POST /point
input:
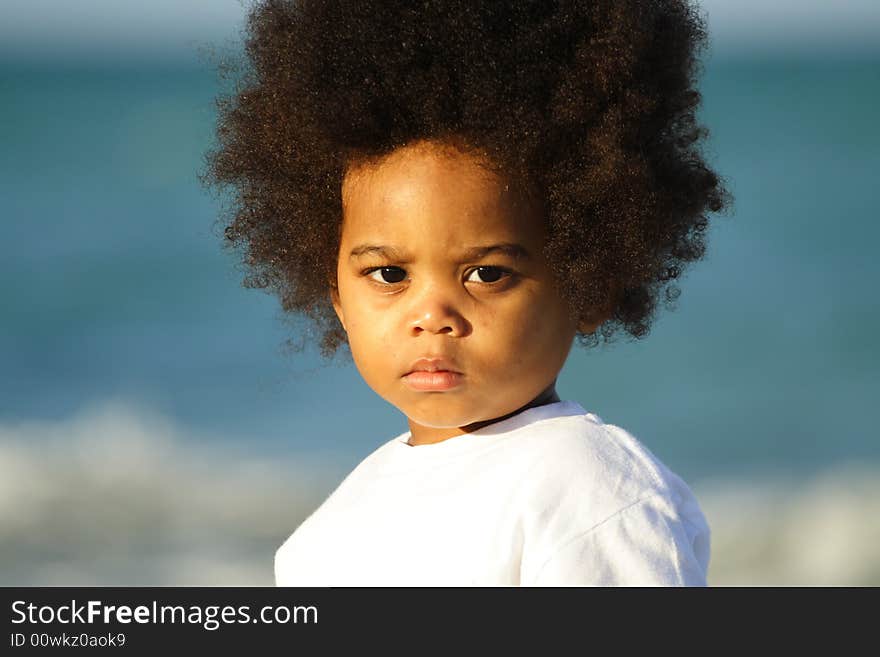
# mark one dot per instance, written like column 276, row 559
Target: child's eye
column 395, row 273
column 493, row 274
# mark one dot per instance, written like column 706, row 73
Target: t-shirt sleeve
column 645, row 544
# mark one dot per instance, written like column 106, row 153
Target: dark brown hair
column 592, row 104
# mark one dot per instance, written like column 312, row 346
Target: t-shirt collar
column 513, row 423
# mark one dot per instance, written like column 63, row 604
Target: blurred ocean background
column 154, row 429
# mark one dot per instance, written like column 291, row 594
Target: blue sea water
column 115, row 286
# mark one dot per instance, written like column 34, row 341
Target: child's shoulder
column 584, row 472
column 582, row 456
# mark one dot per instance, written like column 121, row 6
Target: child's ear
column 337, row 306
column 590, row 325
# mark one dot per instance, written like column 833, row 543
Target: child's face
column 508, row 335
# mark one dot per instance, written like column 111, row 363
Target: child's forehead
column 432, row 229
column 411, row 204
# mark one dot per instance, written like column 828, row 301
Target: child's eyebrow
column 510, row 249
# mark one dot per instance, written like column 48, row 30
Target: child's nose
column 436, row 311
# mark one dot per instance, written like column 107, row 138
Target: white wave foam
column 824, row 531
column 118, row 495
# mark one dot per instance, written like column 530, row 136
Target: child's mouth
column 433, row 381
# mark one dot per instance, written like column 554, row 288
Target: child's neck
column 420, row 435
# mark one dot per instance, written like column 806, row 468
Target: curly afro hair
column 590, row 105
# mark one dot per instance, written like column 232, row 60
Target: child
column 456, row 191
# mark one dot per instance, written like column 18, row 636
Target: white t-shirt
column 551, row 496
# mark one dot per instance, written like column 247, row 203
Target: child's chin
column 440, row 413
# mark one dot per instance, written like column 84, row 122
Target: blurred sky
column 165, row 28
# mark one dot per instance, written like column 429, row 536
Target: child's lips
column 433, row 381
column 433, row 364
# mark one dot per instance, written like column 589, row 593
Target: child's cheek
column 371, row 326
